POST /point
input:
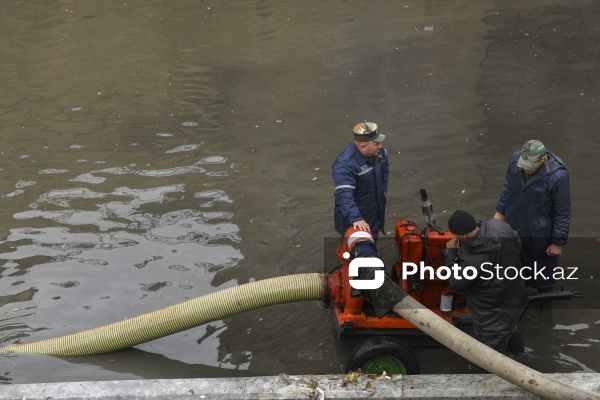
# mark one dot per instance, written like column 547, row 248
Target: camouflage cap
column 367, row 132
column 531, row 154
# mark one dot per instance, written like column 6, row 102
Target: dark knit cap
column 461, row 223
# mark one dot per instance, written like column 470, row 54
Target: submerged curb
column 339, row 386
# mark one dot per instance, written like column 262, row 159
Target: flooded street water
column 152, row 152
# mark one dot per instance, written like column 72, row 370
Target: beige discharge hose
column 286, row 289
column 486, row 357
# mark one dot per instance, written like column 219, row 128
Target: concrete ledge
column 340, row 386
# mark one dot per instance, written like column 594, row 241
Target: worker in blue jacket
column 360, row 176
column 536, row 202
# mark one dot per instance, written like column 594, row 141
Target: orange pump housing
column 355, row 318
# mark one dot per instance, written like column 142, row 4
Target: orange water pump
column 354, row 315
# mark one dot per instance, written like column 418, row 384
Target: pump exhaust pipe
column 285, row 289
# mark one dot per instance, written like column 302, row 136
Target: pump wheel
column 384, row 354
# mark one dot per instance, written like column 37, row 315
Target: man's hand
column 452, row 243
column 554, row 250
column 361, row 225
column 499, row 216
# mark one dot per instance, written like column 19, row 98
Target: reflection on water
column 111, row 195
column 118, row 255
column 119, row 239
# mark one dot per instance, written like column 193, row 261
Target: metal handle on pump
column 427, row 208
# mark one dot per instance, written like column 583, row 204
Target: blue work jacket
column 360, row 186
column 540, row 208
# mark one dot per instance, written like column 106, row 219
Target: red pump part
column 355, row 318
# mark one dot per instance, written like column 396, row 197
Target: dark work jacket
column 360, row 186
column 495, row 304
column 538, row 209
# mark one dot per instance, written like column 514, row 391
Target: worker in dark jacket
column 360, row 176
column 496, row 295
column 536, row 202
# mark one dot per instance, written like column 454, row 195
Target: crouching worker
column 495, row 296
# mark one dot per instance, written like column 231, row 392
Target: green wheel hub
column 388, row 364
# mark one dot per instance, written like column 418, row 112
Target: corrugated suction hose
column 179, row 317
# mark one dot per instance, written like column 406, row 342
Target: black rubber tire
column 377, row 351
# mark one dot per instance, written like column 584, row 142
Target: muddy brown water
column 152, row 152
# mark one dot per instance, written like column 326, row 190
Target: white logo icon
column 366, row 262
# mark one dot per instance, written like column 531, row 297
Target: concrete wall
column 347, row 386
